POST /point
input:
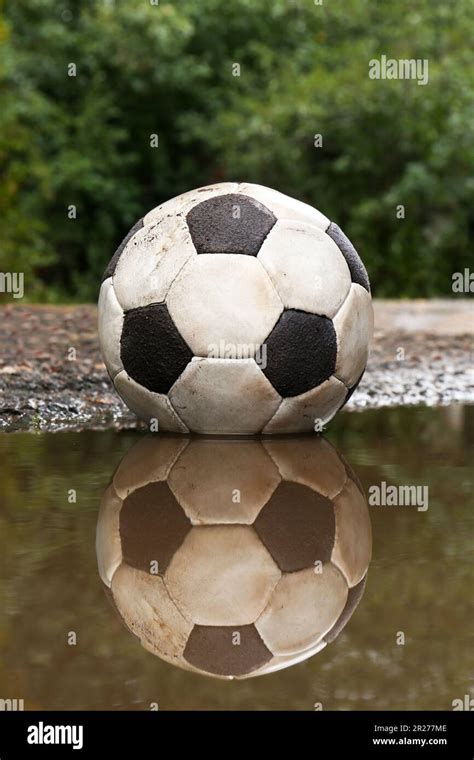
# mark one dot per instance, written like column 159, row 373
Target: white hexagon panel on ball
column 234, row 309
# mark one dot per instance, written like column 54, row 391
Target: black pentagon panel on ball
column 215, row 650
column 298, row 527
column 357, row 269
column 353, row 598
column 151, row 348
column 301, row 352
column 230, row 223
column 152, row 528
column 114, row 260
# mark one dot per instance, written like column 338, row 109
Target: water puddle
column 335, row 574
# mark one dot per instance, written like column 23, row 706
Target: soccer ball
column 234, row 558
column 234, row 309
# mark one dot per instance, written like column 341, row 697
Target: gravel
column 52, row 376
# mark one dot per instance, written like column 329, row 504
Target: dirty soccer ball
column 234, row 558
column 234, row 309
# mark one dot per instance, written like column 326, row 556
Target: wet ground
column 52, row 376
column 62, row 645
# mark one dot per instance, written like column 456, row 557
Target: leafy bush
column 167, row 69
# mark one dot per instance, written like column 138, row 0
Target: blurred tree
column 83, row 144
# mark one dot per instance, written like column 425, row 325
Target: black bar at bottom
column 378, row 734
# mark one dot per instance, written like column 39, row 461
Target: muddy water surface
column 419, row 582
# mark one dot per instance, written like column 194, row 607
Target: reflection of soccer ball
column 234, row 558
column 235, row 309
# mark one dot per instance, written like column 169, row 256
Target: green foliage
column 166, row 69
